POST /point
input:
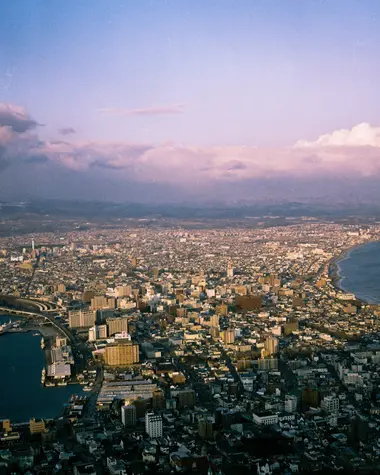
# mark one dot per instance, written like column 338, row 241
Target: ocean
column 360, row 272
column 21, row 394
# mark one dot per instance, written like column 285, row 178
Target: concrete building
column 330, row 404
column 128, row 415
column 82, row 318
column 97, row 332
column 271, row 345
column 205, row 429
column 290, row 403
column 37, row 426
column 121, row 353
column 117, row 325
column 265, row 418
column 228, row 336
column 153, row 425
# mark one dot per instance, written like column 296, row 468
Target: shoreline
column 334, row 270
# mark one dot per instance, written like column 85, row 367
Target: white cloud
column 360, row 135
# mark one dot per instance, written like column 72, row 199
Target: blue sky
column 200, row 73
column 242, row 69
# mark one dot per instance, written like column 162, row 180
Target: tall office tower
column 33, row 245
column 121, row 353
column 158, row 399
column 214, row 321
column 186, row 398
column 81, row 318
column 290, row 403
column 128, row 415
column 271, row 345
column 153, row 425
column 205, row 429
column 117, row 325
column 230, row 270
column 229, row 336
column 156, row 272
column 134, row 261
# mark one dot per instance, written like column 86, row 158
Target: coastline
column 334, row 269
column 44, row 330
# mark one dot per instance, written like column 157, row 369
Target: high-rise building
column 128, row 415
column 82, row 318
column 230, row 270
column 330, row 404
column 290, row 403
column 123, row 291
column 121, row 353
column 153, row 425
column 214, row 321
column 158, row 399
column 100, row 302
column 205, row 429
column 117, row 325
column 186, row 398
column 271, row 345
column 97, row 332
column 228, row 336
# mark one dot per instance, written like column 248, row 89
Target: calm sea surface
column 21, row 394
column 360, row 272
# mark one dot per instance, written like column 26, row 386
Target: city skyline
column 160, row 101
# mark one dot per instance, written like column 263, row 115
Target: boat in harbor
column 62, row 383
column 42, row 343
column 43, row 376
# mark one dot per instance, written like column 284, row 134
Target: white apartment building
column 153, row 425
column 265, row 419
column 290, row 403
column 330, row 404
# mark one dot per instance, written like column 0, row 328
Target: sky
column 169, row 100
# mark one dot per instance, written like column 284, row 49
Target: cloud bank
column 342, row 154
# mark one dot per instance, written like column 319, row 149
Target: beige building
column 99, row 302
column 117, row 325
column 81, row 318
column 121, row 354
column 37, row 426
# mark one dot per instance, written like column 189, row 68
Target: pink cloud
column 153, row 110
column 354, row 152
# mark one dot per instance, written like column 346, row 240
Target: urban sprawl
column 215, row 351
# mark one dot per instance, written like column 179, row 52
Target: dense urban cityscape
column 197, row 350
